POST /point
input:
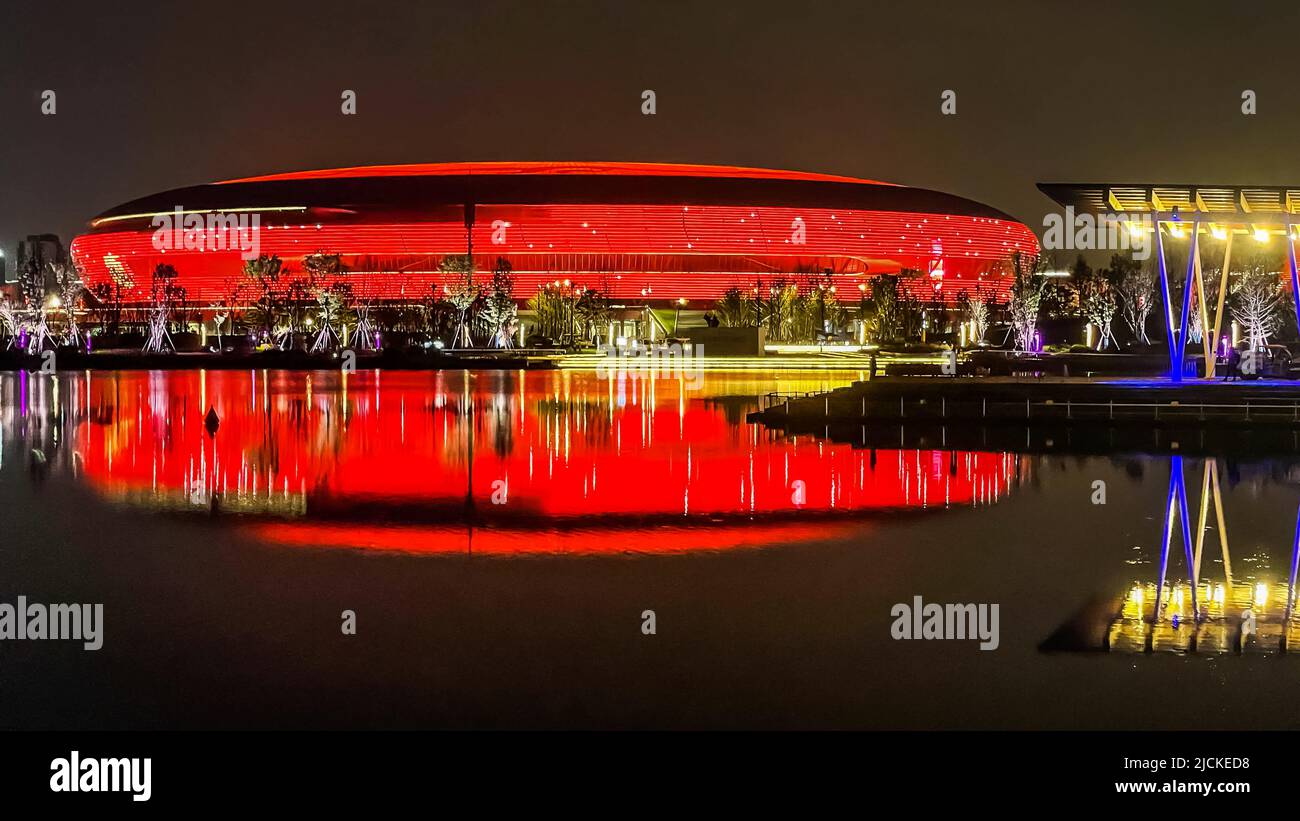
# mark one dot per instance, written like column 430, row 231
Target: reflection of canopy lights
column 1200, row 615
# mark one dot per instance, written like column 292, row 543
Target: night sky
column 151, row 97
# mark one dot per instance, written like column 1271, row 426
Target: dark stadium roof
column 388, row 190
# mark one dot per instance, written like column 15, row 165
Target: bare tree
column 1025, row 295
column 264, row 276
column 882, row 303
column 1257, row 297
column 975, row 310
column 32, row 286
column 1135, row 289
column 164, row 295
column 9, row 321
column 1098, row 303
column 735, row 309
column 67, row 279
column 31, row 283
column 224, row 308
column 499, row 309
column 462, row 293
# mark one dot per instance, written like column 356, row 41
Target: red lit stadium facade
column 645, row 233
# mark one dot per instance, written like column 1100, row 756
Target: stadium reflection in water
column 495, row 462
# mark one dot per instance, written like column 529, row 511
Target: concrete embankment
column 1032, row 402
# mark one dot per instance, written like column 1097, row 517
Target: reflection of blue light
column 1187, row 530
column 1165, row 539
column 1170, row 383
column 1177, row 492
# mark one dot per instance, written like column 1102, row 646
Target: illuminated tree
column 1135, row 285
column 883, row 308
column 975, row 310
column 499, row 312
column 591, row 312
column 324, row 269
column 736, row 309
column 783, row 310
column 1256, row 300
column 1098, row 303
column 165, row 294
column 31, row 282
column 331, row 306
column 9, row 320
column 1025, row 295
column 462, row 293
column 820, row 306
column 264, row 276
column 67, row 279
column 224, row 308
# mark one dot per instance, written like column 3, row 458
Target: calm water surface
column 500, row 534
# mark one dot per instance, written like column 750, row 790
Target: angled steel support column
column 1218, row 310
column 1193, row 251
column 1207, row 338
column 1163, row 268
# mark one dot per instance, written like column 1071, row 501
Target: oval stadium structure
column 643, row 232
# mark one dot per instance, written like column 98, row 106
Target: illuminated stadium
column 643, row 233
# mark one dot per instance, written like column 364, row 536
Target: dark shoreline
column 76, row 360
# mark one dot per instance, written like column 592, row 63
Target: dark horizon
column 149, row 102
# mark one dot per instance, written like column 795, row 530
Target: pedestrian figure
column 1233, row 363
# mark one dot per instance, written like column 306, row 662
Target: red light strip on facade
column 695, row 252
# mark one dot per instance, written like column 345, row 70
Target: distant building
column 38, row 251
column 43, row 248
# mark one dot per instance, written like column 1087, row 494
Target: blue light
column 1163, row 268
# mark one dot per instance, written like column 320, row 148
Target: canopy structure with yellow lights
column 1186, row 212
